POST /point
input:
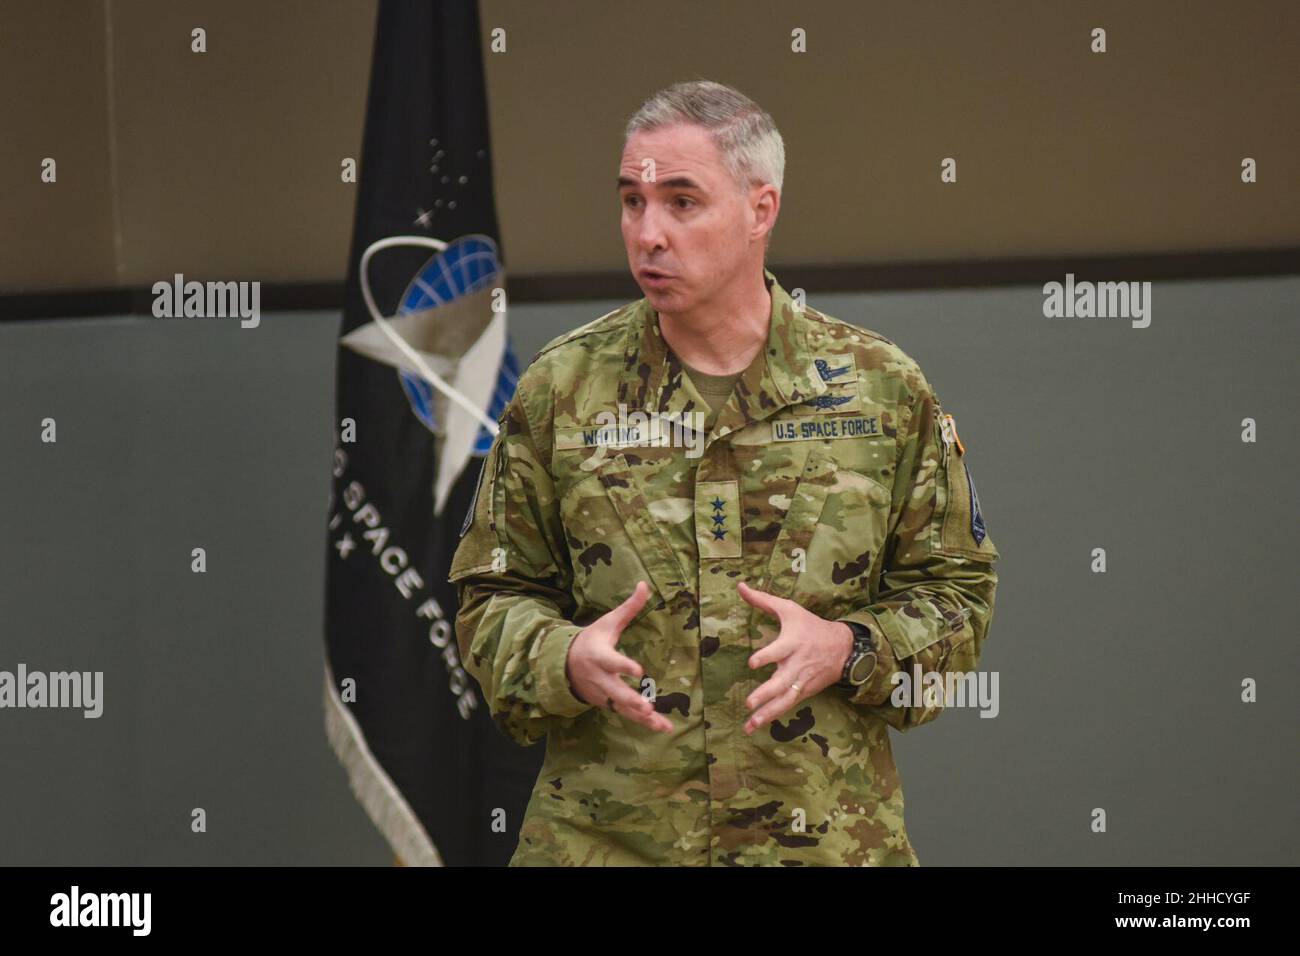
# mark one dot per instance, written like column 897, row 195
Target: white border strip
column 374, row 789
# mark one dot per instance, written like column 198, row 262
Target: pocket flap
column 800, row 521
column 652, row 546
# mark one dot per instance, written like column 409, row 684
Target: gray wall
column 1117, row 690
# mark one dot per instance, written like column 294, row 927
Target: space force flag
column 425, row 369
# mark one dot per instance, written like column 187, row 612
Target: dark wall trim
column 585, row 286
column 87, row 303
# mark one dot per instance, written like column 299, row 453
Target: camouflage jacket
column 829, row 478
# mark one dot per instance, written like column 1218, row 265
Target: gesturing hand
column 810, row 653
column 593, row 666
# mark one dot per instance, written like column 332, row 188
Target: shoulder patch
column 473, row 501
column 976, row 516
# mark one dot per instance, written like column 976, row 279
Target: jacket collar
column 781, row 375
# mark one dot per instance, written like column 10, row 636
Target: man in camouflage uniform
column 796, row 503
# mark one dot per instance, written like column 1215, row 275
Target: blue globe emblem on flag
column 466, row 266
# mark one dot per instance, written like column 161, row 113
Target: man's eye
column 687, row 200
column 629, row 200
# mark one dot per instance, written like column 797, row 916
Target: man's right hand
column 593, row 666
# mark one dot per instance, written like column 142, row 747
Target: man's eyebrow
column 674, row 182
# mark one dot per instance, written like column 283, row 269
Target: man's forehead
column 665, row 178
column 677, row 153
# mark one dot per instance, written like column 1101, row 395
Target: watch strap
column 863, row 643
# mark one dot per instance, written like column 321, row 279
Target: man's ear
column 767, row 205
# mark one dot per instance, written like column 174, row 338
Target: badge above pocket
column 843, row 391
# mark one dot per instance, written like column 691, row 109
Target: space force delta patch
column 977, row 529
column 473, row 501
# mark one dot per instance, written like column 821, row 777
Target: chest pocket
column 828, row 552
column 614, row 541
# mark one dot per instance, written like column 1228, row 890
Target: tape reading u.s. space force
column 809, row 429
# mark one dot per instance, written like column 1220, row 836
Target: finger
column 621, row 699
column 774, row 686
column 625, row 702
column 778, row 650
column 769, row 603
column 773, row 709
column 621, row 616
column 616, row 663
column 651, row 719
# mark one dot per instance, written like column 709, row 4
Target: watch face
column 863, row 668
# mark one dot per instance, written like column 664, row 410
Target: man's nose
column 650, row 232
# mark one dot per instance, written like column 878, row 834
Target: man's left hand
column 810, row 653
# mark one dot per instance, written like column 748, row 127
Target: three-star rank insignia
column 717, row 519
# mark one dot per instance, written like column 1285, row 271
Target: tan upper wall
column 227, row 163
column 53, row 104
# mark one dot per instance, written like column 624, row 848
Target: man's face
column 689, row 231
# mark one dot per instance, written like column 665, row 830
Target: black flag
column 408, row 723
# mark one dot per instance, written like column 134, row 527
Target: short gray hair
column 744, row 133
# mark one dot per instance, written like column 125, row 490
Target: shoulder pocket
column 961, row 529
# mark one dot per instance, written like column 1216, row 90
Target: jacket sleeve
column 935, row 599
column 512, row 576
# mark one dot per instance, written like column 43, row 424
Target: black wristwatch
column 862, row 659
